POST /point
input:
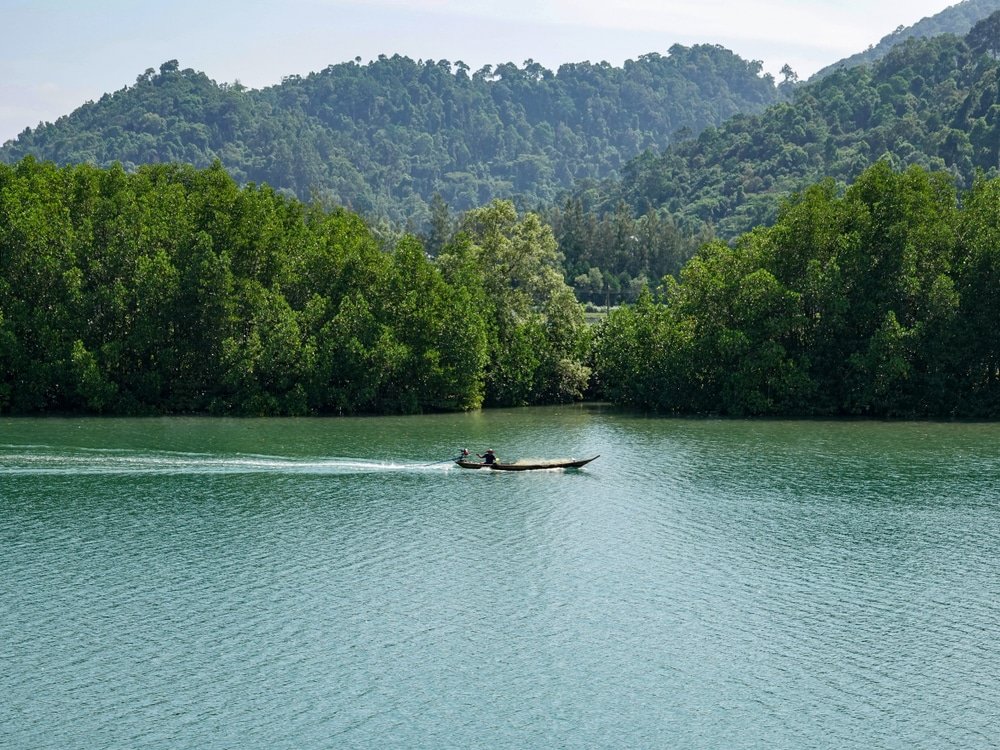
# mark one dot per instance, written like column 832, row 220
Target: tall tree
column 536, row 328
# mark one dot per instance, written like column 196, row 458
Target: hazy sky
column 55, row 55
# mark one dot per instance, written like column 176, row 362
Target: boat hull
column 527, row 467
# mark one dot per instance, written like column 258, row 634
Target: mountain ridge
column 955, row 19
column 382, row 138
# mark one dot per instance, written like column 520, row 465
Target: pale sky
column 57, row 54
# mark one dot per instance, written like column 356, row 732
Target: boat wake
column 45, row 460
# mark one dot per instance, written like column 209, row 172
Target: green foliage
column 174, row 290
column 167, row 288
column 415, row 143
column 984, row 37
column 641, row 357
column 877, row 301
column 930, row 103
column 977, row 283
column 537, row 336
column 611, row 258
column 383, row 138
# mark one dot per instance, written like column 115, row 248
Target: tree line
column 927, row 102
column 175, row 290
column 931, row 102
column 634, row 167
column 879, row 300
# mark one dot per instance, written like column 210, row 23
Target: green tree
column 868, row 302
column 536, row 329
column 984, row 37
column 977, row 358
column 40, row 288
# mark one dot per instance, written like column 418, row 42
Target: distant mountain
column 384, row 137
column 956, row 19
column 932, row 102
column 929, row 102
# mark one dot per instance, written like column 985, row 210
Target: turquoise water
column 201, row 583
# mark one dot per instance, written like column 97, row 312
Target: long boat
column 556, row 464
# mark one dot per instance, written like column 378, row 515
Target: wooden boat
column 557, row 464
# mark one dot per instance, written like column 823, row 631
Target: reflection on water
column 337, row 583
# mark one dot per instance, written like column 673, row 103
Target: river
column 324, row 583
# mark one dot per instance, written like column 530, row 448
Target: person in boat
column 489, row 457
column 464, row 456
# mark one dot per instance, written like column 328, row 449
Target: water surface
column 210, row 583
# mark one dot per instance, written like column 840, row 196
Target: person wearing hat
column 489, row 457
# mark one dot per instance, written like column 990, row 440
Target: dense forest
column 382, row 138
column 174, row 290
column 931, row 102
column 881, row 300
column 633, row 167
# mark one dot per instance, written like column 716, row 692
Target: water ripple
column 744, row 585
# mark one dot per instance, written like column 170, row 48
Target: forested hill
column 934, row 103
column 382, row 138
column 956, row 19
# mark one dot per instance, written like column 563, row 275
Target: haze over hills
column 957, row 19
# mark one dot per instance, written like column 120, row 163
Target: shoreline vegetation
column 172, row 290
